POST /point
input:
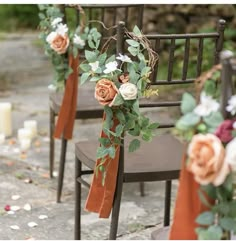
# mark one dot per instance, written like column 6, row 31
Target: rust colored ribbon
column 187, row 207
column 66, row 117
column 100, row 197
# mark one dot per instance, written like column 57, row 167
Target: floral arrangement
column 120, row 82
column 211, row 155
column 60, row 41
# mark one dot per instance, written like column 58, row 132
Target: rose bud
column 124, row 78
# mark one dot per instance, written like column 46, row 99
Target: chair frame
column 83, row 114
column 166, row 176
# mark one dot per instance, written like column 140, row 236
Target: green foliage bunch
column 52, row 25
column 129, row 78
column 219, row 221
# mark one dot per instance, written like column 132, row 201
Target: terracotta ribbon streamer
column 66, row 117
column 100, row 197
column 187, row 207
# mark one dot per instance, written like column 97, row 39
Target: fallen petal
column 15, row 208
column 7, row 208
column 10, row 212
column 43, row 217
column 14, row 227
column 27, row 207
column 15, row 197
column 32, row 224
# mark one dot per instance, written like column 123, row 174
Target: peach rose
column 105, row 92
column 58, row 42
column 206, row 160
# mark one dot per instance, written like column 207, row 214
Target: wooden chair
column 88, row 108
column 141, row 166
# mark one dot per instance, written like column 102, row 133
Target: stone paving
column 27, row 91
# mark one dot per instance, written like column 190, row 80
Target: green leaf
column 228, row 223
column 91, row 44
column 109, row 112
column 84, row 77
column 147, row 135
column 135, row 131
column 104, row 141
column 118, row 100
column 102, row 58
column 111, row 151
column 203, row 198
column 119, row 130
column 85, row 67
column 214, row 119
column 134, row 145
column 210, row 87
column 205, row 218
column 120, row 116
column 209, row 190
column 214, row 232
column 41, row 16
column 132, row 43
column 133, row 51
column 137, row 31
column 153, row 126
column 95, row 78
column 90, row 56
column 130, row 124
column 188, row 103
column 111, row 59
column 145, row 71
column 102, row 152
column 187, row 121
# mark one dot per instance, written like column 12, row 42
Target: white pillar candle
column 25, row 144
column 5, row 119
column 24, row 134
column 2, row 138
column 31, row 125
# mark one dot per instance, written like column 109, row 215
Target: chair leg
column 61, row 169
column 52, row 142
column 77, row 200
column 167, row 203
column 141, row 187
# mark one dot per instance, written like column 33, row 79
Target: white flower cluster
column 207, row 105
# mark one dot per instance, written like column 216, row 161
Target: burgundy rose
column 224, row 131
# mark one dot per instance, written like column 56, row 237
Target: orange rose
column 206, row 160
column 105, row 92
column 58, row 42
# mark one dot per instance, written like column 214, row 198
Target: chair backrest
column 190, row 42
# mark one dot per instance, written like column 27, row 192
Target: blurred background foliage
column 157, row 18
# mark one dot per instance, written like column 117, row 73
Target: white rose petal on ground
column 42, row 217
column 15, row 197
column 10, row 212
column 32, row 224
column 15, row 208
column 27, row 207
column 14, row 227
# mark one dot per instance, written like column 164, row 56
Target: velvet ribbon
column 66, row 117
column 187, row 207
column 101, row 195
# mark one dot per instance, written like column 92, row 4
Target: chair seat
column 87, row 105
column 154, row 161
column 161, row 234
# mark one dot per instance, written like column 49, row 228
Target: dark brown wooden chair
column 159, row 160
column 88, row 108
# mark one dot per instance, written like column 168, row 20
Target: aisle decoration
column 121, row 80
column 205, row 205
column 63, row 46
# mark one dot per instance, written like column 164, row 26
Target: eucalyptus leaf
column 134, row 145
column 228, row 223
column 137, row 31
column 205, row 218
column 188, row 103
column 118, row 100
column 91, row 56
column 214, row 119
column 132, row 43
column 84, row 78
column 187, row 121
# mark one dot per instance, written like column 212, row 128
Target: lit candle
column 24, row 134
column 25, row 144
column 5, row 119
column 2, row 138
column 31, row 125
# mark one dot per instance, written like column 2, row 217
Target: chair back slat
column 186, row 59
column 171, row 59
column 199, row 56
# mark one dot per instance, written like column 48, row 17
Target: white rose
column 230, row 156
column 128, row 91
column 110, row 67
column 62, row 29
